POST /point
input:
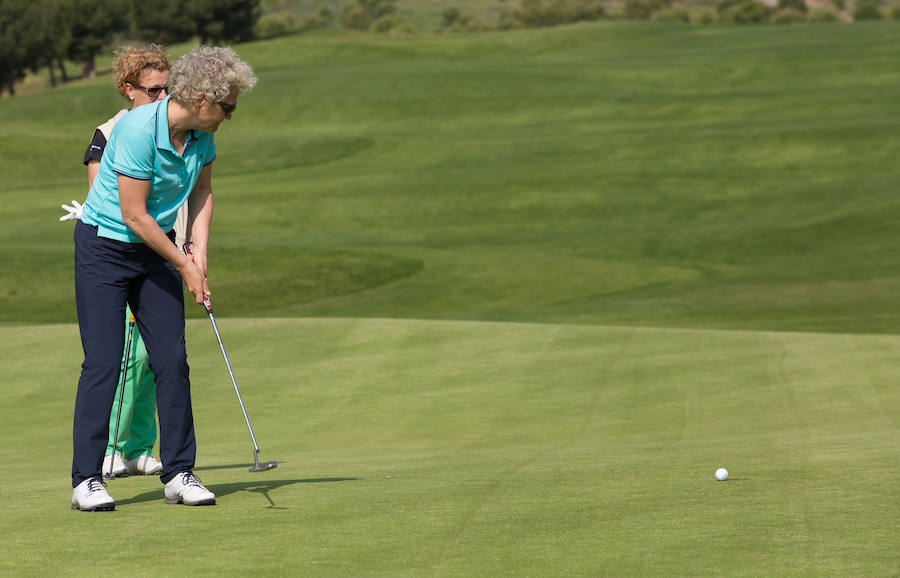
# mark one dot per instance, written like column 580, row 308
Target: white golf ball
column 721, row 474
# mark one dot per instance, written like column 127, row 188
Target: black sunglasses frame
column 228, row 107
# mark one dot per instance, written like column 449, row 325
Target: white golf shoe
column 144, row 466
column 119, row 468
column 91, row 496
column 185, row 488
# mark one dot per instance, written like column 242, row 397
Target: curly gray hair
column 210, row 71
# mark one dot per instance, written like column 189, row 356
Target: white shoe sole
column 209, row 502
column 108, row 507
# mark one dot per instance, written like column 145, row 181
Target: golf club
column 257, row 467
column 112, row 474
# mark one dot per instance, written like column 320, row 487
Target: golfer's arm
column 133, row 194
column 200, row 210
column 93, row 169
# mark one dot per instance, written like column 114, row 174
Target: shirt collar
column 162, row 125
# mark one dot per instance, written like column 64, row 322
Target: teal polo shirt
column 139, row 147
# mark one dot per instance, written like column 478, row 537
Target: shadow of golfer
column 261, row 487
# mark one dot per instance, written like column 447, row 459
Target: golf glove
column 74, row 211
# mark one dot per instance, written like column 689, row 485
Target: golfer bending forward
column 158, row 157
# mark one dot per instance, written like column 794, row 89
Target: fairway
column 500, row 305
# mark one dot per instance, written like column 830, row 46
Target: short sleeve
column 95, row 149
column 134, row 153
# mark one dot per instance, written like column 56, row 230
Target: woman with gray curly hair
column 158, row 157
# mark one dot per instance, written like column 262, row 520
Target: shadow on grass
column 228, row 467
column 261, row 487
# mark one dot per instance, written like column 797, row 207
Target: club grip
column 206, row 302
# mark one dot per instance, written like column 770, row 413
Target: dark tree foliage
column 91, row 24
column 212, row 21
column 18, row 46
column 220, row 21
column 161, row 21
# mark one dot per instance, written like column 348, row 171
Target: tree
column 218, row 21
column 52, row 38
column 17, row 45
column 92, row 24
column 161, row 21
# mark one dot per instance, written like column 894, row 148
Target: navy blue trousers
column 109, row 273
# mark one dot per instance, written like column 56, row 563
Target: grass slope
column 411, row 448
column 600, row 180
column 618, row 173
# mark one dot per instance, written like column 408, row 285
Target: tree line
column 47, row 33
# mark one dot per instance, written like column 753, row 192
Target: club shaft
column 237, row 391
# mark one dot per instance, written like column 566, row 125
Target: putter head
column 261, row 467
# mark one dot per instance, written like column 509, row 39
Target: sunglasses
column 152, row 91
column 228, row 107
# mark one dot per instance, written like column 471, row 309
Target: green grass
column 614, row 173
column 501, row 304
column 455, row 449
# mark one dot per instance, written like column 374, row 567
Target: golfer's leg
column 124, row 431
column 128, row 399
column 100, row 294
column 143, row 418
column 160, row 313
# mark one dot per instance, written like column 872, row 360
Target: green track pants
column 137, row 424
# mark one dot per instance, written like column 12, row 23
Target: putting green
column 459, row 448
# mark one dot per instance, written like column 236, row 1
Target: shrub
column 326, row 17
column 355, row 17
column 788, row 16
column 275, row 24
column 644, row 9
column 453, row 20
column 746, row 12
column 821, row 15
column 798, row 5
column 867, row 10
column 323, row 19
column 588, row 10
column 895, row 13
column 542, row 13
column 449, row 17
column 706, row 17
column 469, row 24
column 672, row 14
column 393, row 24
column 363, row 13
